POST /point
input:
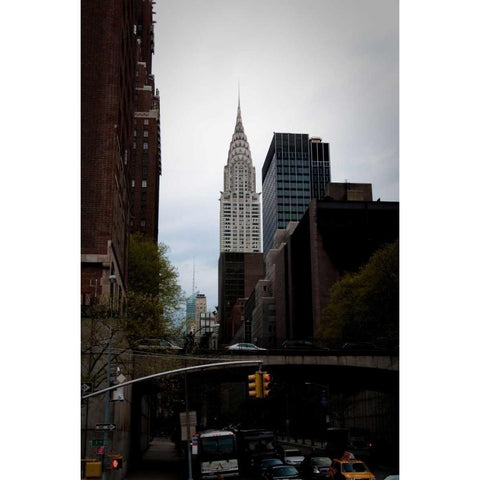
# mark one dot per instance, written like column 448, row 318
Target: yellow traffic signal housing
column 266, row 378
column 255, row 385
column 93, row 469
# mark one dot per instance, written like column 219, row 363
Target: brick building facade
column 117, row 35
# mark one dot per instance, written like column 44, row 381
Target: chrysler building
column 240, row 222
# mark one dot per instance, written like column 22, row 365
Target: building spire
column 239, row 124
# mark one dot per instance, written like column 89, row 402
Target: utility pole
column 189, row 433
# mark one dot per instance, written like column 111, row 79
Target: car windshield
column 212, row 445
column 321, row 461
column 284, row 471
column 354, row 467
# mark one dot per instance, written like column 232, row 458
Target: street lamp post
column 113, row 280
column 189, row 433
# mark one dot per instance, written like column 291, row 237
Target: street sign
column 87, row 387
column 188, row 418
column 105, row 426
column 188, row 422
column 96, row 442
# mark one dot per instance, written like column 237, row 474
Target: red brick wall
column 108, row 58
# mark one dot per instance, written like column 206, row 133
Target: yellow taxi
column 349, row 469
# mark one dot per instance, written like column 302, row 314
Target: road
column 163, row 462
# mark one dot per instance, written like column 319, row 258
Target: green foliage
column 154, row 295
column 153, row 298
column 364, row 306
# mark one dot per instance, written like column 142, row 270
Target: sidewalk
column 160, row 461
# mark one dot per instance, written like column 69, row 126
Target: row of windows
column 245, row 210
column 145, row 158
column 291, row 155
column 282, row 190
column 291, row 184
column 145, row 133
column 282, row 204
column 143, row 223
column 144, row 184
column 284, row 214
column 145, row 145
column 145, row 121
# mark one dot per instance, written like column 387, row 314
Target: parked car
column 245, row 346
column 281, row 472
column 315, row 467
column 291, row 456
column 260, row 466
column 392, row 477
column 349, row 469
column 301, row 345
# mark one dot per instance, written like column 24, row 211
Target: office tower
column 319, row 153
column 200, row 308
column 240, row 223
column 190, row 311
column 295, row 170
column 238, row 274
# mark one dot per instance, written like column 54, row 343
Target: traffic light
column 255, row 385
column 117, row 462
column 266, row 378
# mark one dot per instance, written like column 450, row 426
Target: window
column 133, row 183
column 145, row 145
column 145, row 133
column 144, row 184
column 145, row 121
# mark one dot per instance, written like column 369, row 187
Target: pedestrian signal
column 117, row 463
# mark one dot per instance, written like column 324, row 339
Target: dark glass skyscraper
column 296, row 169
column 319, row 153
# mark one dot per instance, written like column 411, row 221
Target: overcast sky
column 327, row 68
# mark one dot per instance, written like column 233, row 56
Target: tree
column 153, row 298
column 154, row 295
column 364, row 306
